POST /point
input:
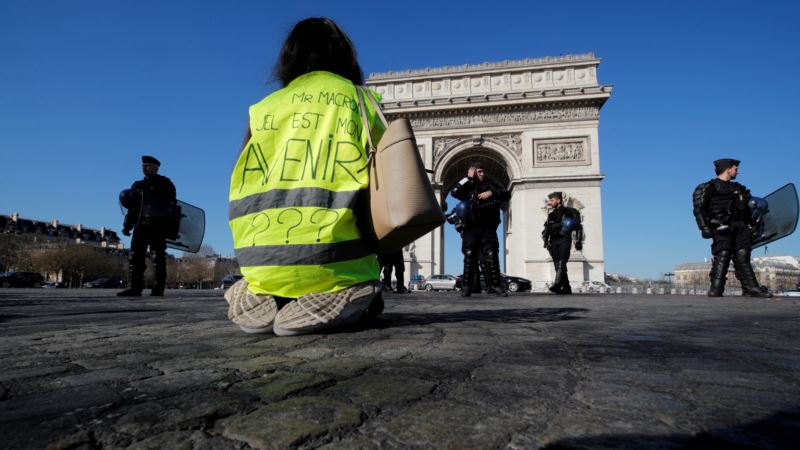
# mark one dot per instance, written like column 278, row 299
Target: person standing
column 562, row 222
column 479, row 234
column 389, row 261
column 151, row 205
column 722, row 212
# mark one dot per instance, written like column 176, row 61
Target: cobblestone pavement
column 83, row 369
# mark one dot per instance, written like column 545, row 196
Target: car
column 593, row 286
column 417, row 283
column 440, row 283
column 229, row 280
column 511, row 283
column 21, row 279
column 104, row 283
column 516, row 284
column 789, row 294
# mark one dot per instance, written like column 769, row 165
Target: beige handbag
column 402, row 205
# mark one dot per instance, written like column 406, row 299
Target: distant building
column 776, row 272
column 201, row 271
column 103, row 237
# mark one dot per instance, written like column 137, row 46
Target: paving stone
column 379, row 390
column 279, row 384
column 197, row 409
column 84, row 369
column 177, row 381
column 291, row 422
column 172, row 365
column 57, row 402
column 109, row 375
column 446, row 424
column 184, row 440
column 263, row 363
column 342, row 366
column 311, row 353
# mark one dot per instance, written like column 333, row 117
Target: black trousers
column 480, row 238
column 144, row 237
column 736, row 237
column 560, row 248
column 393, row 261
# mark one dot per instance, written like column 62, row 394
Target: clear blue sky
column 86, row 87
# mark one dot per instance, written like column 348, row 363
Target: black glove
column 126, row 231
column 707, row 234
column 579, row 246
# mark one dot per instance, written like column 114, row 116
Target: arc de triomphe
column 533, row 123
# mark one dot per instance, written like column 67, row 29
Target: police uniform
column 722, row 212
column 151, row 215
column 558, row 237
column 479, row 234
column 389, row 261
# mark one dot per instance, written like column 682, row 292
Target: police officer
column 561, row 222
column 152, row 206
column 479, row 234
column 722, row 212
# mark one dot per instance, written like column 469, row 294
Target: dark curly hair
column 317, row 43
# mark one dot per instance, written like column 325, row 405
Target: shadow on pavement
column 518, row 315
column 779, row 430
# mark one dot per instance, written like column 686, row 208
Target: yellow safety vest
column 294, row 188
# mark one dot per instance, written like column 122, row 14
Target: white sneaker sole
column 317, row 313
column 254, row 314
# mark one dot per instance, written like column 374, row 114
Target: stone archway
column 534, row 123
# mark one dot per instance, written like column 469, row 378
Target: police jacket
column 552, row 227
column 718, row 202
column 484, row 212
column 156, row 205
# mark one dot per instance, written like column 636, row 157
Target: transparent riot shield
column 781, row 218
column 191, row 230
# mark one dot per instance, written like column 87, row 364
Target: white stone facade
column 535, row 122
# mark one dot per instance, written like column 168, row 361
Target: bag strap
column 377, row 107
column 365, row 125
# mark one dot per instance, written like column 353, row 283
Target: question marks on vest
column 299, row 216
column 264, row 218
column 324, row 212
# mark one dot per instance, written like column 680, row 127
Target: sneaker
column 157, row 292
column 253, row 313
column 321, row 312
column 130, row 292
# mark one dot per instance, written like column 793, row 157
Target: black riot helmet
column 129, row 198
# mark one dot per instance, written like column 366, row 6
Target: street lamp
column 669, row 276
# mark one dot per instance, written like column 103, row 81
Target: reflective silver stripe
column 285, row 198
column 302, row 254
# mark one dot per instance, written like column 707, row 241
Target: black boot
column 561, row 284
column 136, row 277
column 719, row 273
column 470, row 271
column 160, row 269
column 555, row 288
column 746, row 275
column 494, row 281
